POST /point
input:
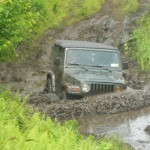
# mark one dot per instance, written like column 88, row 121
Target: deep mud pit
column 128, row 125
column 109, row 27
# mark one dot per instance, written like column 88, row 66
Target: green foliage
column 22, row 131
column 82, row 9
column 16, row 22
column 21, row 20
column 138, row 46
column 130, row 6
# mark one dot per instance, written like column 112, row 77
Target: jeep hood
column 92, row 75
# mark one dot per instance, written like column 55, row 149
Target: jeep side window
column 58, row 54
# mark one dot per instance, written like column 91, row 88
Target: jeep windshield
column 93, row 58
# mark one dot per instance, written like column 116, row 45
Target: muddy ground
column 108, row 26
column 94, row 105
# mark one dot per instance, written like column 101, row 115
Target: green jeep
column 85, row 68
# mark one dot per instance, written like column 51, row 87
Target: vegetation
column 138, row 46
column 23, row 19
column 21, row 130
column 127, row 6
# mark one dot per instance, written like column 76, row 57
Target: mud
column 108, row 26
column 94, row 105
column 131, row 127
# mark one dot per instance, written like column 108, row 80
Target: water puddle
column 128, row 125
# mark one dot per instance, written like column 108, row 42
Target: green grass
column 138, row 46
column 21, row 129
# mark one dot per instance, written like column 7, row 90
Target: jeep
column 85, row 68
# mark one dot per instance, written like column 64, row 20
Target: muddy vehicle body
column 85, row 68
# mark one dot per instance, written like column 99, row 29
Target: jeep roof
column 83, row 44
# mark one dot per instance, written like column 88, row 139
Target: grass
column 138, row 46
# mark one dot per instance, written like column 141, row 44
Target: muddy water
column 129, row 126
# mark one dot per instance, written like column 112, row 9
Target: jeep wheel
column 48, row 86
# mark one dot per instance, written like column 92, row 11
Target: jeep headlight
column 118, row 88
column 85, row 87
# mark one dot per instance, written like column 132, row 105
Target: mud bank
column 93, row 105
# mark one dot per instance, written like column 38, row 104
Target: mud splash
column 94, row 105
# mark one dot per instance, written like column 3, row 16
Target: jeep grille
column 102, row 88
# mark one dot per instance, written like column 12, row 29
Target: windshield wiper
column 76, row 64
column 103, row 67
column 97, row 66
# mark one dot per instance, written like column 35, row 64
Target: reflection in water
column 129, row 126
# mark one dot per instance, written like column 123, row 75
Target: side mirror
column 57, row 61
column 125, row 65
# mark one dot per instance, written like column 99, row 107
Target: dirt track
column 107, row 26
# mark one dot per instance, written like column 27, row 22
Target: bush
column 16, row 22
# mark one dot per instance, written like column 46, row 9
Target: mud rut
column 107, row 26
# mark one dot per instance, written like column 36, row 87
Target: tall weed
column 138, row 46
